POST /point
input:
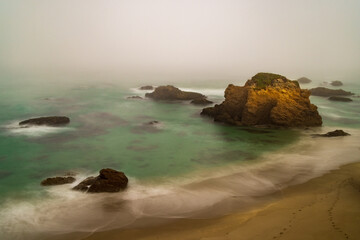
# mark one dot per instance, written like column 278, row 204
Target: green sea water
column 109, row 130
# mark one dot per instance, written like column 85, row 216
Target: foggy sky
column 182, row 39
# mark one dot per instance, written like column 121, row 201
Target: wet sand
column 327, row 207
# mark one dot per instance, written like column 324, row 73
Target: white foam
column 33, row 131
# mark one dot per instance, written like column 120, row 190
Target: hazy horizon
column 164, row 41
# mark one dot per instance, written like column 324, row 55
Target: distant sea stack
column 172, row 93
column 304, row 80
column 148, row 87
column 266, row 99
column 336, row 83
column 50, row 121
column 340, row 99
column 326, row 92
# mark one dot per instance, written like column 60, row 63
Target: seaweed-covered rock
column 172, row 93
column 50, row 121
column 304, row 80
column 340, row 99
column 109, row 180
column 57, row 181
column 336, row 133
column 201, row 101
column 336, row 83
column 266, row 99
column 326, row 92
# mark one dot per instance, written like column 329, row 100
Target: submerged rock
column 340, row 99
column 201, row 101
column 50, row 121
column 148, row 87
column 336, row 83
column 326, row 92
column 134, row 97
column 336, row 133
column 304, row 80
column 266, row 99
column 109, row 180
column 57, row 181
column 172, row 93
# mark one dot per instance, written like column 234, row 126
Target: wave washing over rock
column 266, row 99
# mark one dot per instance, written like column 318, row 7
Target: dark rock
column 146, row 88
column 109, row 180
column 51, row 121
column 57, row 181
column 336, row 133
column 336, row 83
column 326, row 92
column 134, row 97
column 201, row 101
column 172, row 93
column 266, row 99
column 153, row 122
column 340, row 99
column 304, row 80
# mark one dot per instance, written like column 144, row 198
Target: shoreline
column 325, row 207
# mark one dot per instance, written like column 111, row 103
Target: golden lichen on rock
column 266, row 99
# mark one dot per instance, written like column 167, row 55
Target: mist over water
column 162, row 40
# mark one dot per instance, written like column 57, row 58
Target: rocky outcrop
column 336, row 83
column 57, row 181
column 266, row 99
column 109, row 180
column 336, row 133
column 304, row 80
column 172, row 93
column 146, row 87
column 50, row 121
column 326, row 92
column 201, row 101
column 340, row 99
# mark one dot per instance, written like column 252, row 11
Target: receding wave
column 199, row 195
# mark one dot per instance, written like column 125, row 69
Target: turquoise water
column 109, row 130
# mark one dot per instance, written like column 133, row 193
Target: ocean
column 185, row 166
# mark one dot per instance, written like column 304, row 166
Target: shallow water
column 177, row 168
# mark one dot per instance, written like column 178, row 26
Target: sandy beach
column 327, row 207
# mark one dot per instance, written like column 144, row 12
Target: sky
column 181, row 39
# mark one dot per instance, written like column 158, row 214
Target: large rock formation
column 304, row 80
column 172, row 93
column 109, row 180
column 50, row 121
column 266, row 99
column 57, row 181
column 326, row 92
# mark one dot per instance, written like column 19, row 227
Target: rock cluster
column 266, row 99
column 172, row 93
column 148, row 87
column 109, row 180
column 336, row 83
column 50, row 121
column 340, row 99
